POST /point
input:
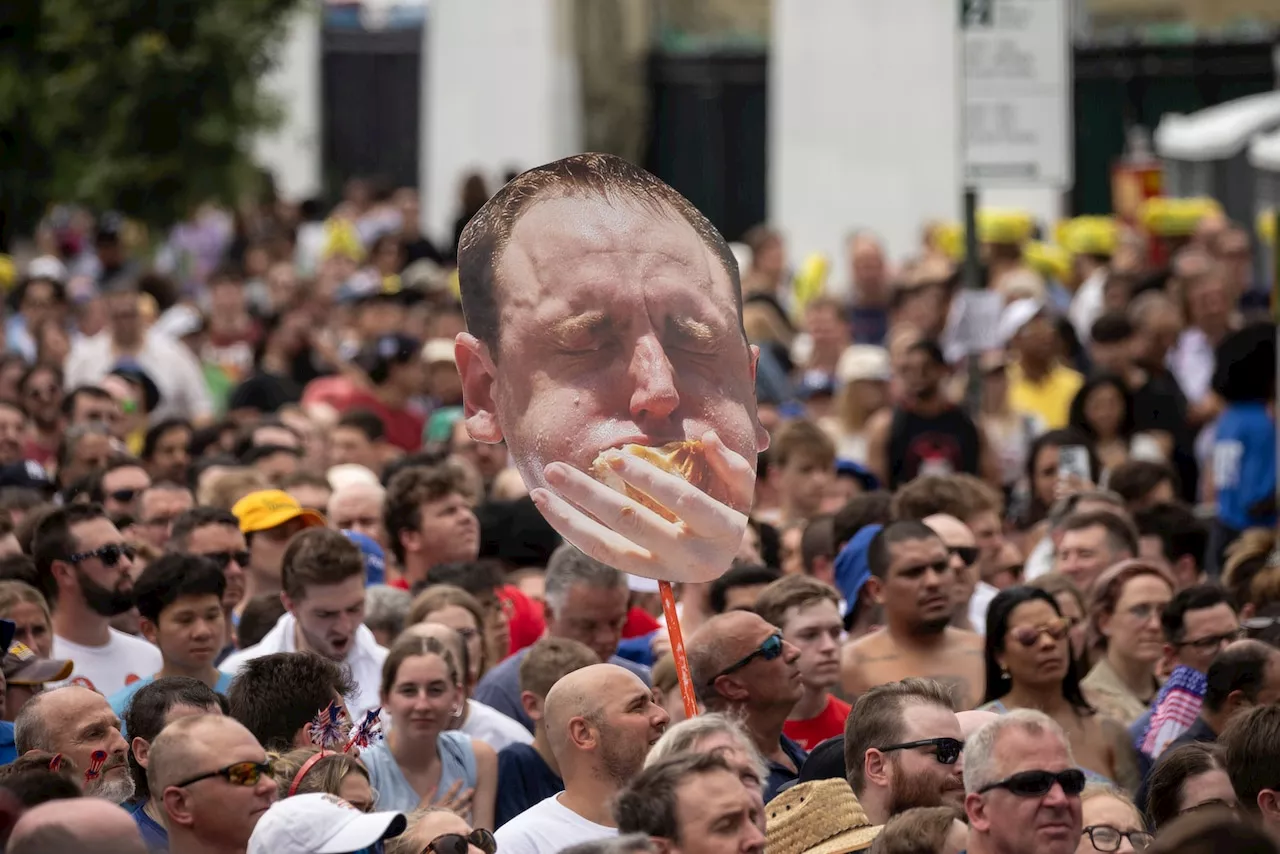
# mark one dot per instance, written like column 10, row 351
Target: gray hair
column 29, row 729
column 682, row 738
column 568, row 567
column 980, row 748
column 386, row 608
column 631, row 843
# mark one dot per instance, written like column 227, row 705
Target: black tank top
column 943, row 444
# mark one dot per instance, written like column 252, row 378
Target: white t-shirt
column 106, row 669
column 487, row 724
column 548, row 827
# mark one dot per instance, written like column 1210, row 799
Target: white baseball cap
column 320, row 823
column 1016, row 315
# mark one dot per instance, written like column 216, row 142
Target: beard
column 117, row 790
column 620, row 760
column 104, row 600
column 922, row 791
column 933, row 627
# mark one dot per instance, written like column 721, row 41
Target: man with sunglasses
column 158, row 506
column 741, row 665
column 119, row 486
column 85, row 568
column 902, row 745
column 1023, row 787
column 215, row 533
column 211, row 782
column 963, row 548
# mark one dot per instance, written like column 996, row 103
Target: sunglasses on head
column 109, row 554
column 968, row 554
column 770, row 649
column 223, row 559
column 456, row 843
column 237, row 774
column 947, row 753
column 1037, row 784
column 1030, row 635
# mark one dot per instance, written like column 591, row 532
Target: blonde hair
column 229, row 487
column 326, row 775
column 19, row 592
column 405, row 843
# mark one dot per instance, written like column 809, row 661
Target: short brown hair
column 960, row 495
column 802, row 439
column 605, row 176
column 410, row 646
column 876, row 719
column 922, row 830
column 1164, row 787
column 550, row 660
column 440, row 596
column 408, row 491
column 318, row 556
column 1251, row 744
column 792, row 591
column 1121, row 535
column 1109, row 587
column 1132, row 480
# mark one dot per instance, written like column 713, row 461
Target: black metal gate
column 371, row 91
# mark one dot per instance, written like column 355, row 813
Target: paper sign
column 605, row 346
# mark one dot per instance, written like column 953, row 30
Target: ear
column 1235, row 701
column 875, row 588
column 532, row 705
column 662, row 845
column 149, row 630
column 582, row 734
column 141, row 750
column 1246, row 611
column 479, row 374
column 63, row 573
column 1104, row 623
column 1269, row 806
column 410, row 541
column 176, row 809
column 824, row 570
column 1170, row 655
column 976, row 808
column 762, row 435
column 875, row 768
column 287, row 601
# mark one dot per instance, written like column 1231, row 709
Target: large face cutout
column 619, row 375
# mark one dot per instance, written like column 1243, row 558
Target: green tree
column 144, row 106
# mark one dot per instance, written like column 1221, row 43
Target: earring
column 1004, row 672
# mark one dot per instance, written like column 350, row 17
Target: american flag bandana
column 1174, row 711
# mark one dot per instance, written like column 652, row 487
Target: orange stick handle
column 677, row 649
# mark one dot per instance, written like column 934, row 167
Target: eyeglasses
column 1107, row 838
column 968, row 554
column 1028, row 636
column 237, row 774
column 1212, row 641
column 769, row 650
column 948, row 751
column 223, row 559
column 1036, row 784
column 456, row 843
column 109, row 554
column 124, row 496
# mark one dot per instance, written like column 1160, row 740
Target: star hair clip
column 329, row 728
column 369, row 731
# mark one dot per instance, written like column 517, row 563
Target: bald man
column 600, row 721
column 77, row 723
column 972, row 720
column 358, row 507
column 971, row 605
column 741, row 665
column 207, row 780
column 87, row 824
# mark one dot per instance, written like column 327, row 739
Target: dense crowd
column 1006, row 584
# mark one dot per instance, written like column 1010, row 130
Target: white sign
column 1017, row 93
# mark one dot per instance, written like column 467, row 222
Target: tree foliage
column 144, row 106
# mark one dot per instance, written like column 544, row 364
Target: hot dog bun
column 683, row 459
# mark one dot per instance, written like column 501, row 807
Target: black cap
column 516, row 533
column 27, row 474
column 376, row 358
column 133, row 373
column 825, row 762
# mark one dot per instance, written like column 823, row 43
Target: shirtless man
column 913, row 580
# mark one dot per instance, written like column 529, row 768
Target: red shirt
column 639, row 622
column 525, row 620
column 813, row 731
column 404, row 426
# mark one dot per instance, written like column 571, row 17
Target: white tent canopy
column 1218, row 132
column 1264, row 152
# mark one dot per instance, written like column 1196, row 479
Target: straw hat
column 821, row 817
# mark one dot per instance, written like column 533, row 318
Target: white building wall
column 292, row 151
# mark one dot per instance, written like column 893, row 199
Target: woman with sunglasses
column 1030, row 666
column 310, row 769
column 1188, row 778
column 423, row 761
column 1124, row 621
column 433, row 830
column 1111, row 823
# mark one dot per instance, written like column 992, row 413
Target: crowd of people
column 262, row 591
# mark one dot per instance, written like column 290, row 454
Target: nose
column 660, row 717
column 116, row 742
column 753, row 839
column 1126, row 847
column 267, row 788
column 789, row 653
column 1056, row 796
column 827, row 642
column 654, row 395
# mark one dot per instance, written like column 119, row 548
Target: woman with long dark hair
column 1103, row 411
column 1030, row 666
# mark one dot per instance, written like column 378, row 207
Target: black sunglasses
column 456, row 843
column 948, row 749
column 1036, row 784
column 769, row 650
column 237, row 774
column 109, row 554
column 223, row 559
column 968, row 554
column 124, row 496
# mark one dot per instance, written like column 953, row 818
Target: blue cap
column 375, row 559
column 852, row 568
column 848, row 468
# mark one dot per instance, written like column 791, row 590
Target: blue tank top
column 457, row 762
column 1244, row 465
